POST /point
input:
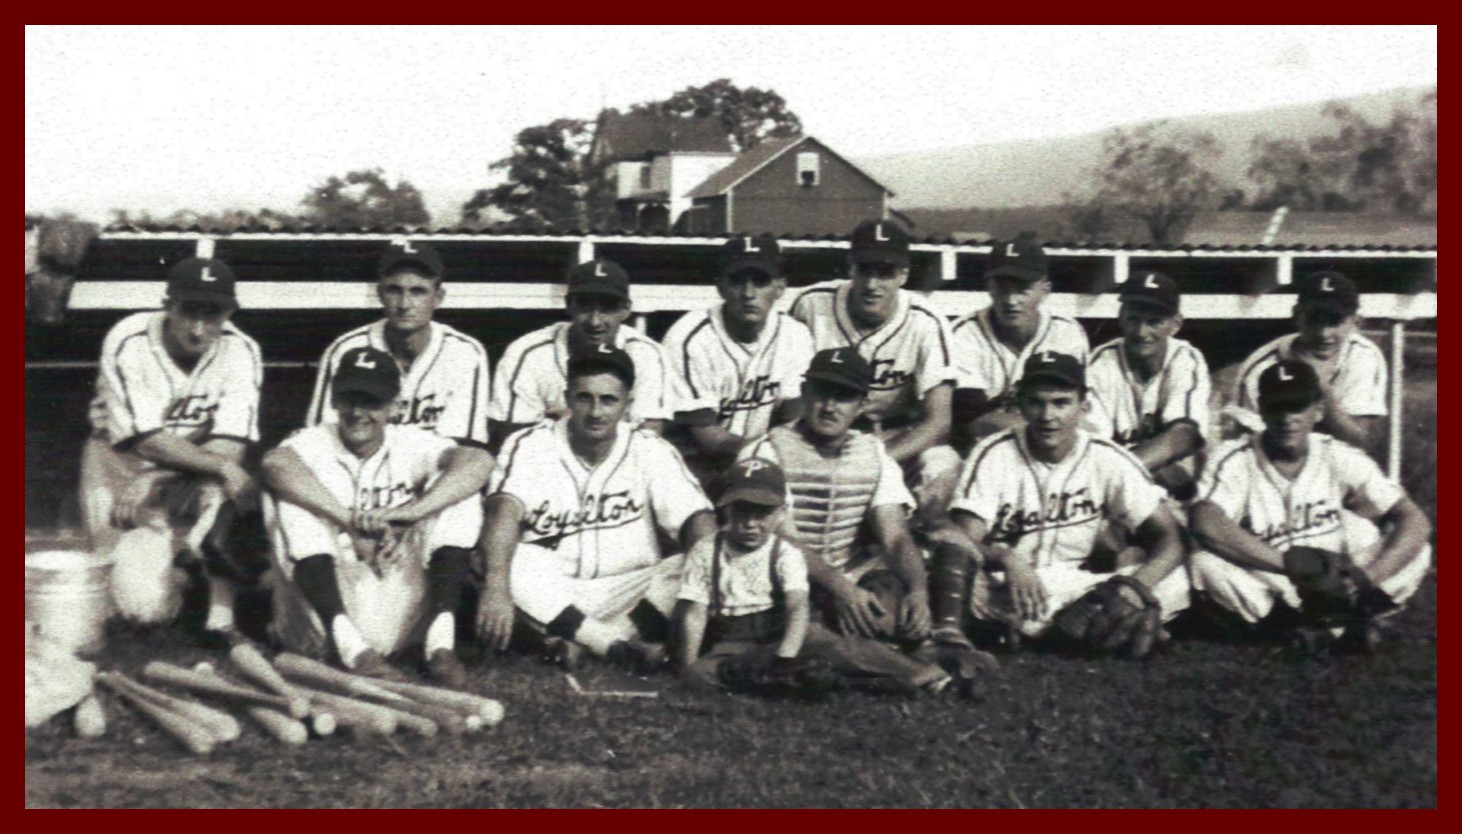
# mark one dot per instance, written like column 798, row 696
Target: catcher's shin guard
column 948, row 584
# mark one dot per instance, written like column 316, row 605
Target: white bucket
column 68, row 597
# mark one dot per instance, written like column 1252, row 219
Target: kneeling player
column 377, row 543
column 1282, row 551
column 1034, row 499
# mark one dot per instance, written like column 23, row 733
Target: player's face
column 749, row 525
column 192, row 327
column 409, row 299
column 1146, row 331
column 595, row 319
column 363, row 417
column 1016, row 303
column 597, row 403
column 831, row 409
column 1289, row 430
column 875, row 289
column 1051, row 414
column 1323, row 331
column 750, row 295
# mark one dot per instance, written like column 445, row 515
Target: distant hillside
column 1038, row 172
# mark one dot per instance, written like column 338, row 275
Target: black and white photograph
column 723, row 416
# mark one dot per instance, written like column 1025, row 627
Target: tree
column 1156, row 176
column 550, row 183
column 221, row 221
column 748, row 115
column 363, row 199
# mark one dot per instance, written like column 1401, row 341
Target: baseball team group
column 847, row 490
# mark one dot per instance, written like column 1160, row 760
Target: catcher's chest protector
column 830, row 496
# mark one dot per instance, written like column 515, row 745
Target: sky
column 205, row 118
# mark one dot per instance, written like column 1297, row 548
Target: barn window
column 807, row 169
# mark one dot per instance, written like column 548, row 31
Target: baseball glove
column 1331, row 588
column 787, row 677
column 1119, row 614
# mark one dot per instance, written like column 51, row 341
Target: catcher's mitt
column 1120, row 613
column 1331, row 588
column 791, row 677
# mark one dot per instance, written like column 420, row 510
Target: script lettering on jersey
column 193, row 410
column 885, row 377
column 611, row 509
column 418, row 411
column 1061, row 508
column 755, row 393
column 379, row 497
column 1311, row 515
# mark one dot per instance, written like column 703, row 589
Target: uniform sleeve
column 695, row 582
column 137, row 395
column 936, row 360
column 1187, row 393
column 465, row 417
column 428, row 448
column 1247, row 388
column 794, row 357
column 1361, row 478
column 969, row 368
column 890, row 488
column 700, row 390
column 1225, row 479
column 792, row 569
column 658, row 390
column 801, row 309
column 1361, row 392
column 978, row 490
column 516, row 398
column 1131, row 496
column 1100, row 418
column 514, row 474
column 237, row 417
column 320, row 409
column 675, row 495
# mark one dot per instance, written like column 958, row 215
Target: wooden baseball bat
column 89, row 719
column 225, row 727
column 322, row 721
column 318, row 676
column 212, row 685
column 403, row 720
column 257, row 669
column 359, row 716
column 279, row 725
column 489, row 709
column 196, row 738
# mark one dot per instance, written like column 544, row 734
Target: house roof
column 640, row 135
column 757, row 158
column 1309, row 228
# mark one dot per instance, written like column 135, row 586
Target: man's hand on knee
column 495, row 616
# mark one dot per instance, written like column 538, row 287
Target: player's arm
column 501, row 526
column 176, row 453
column 698, row 526
column 1160, row 538
column 975, row 416
column 1174, row 443
column 692, row 618
column 1360, row 432
column 465, row 470
column 1407, row 532
column 799, row 614
column 655, row 425
column 1222, row 536
column 1026, row 588
column 930, row 430
column 290, row 479
column 890, row 529
column 717, row 441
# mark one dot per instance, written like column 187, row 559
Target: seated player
column 1351, row 369
column 162, row 474
column 907, row 346
column 530, row 381
column 1271, row 516
column 1149, row 389
column 1034, row 499
column 573, row 520
column 744, row 616
column 850, row 514
column 992, row 345
column 381, row 560
column 742, row 360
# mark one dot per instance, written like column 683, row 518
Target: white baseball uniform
column 1129, row 411
column 1357, row 379
column 983, row 363
column 590, row 534
column 1314, row 509
column 741, row 383
column 384, row 608
column 532, row 377
column 1049, row 515
column 445, row 391
column 908, row 355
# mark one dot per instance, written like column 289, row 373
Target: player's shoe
column 565, row 654
column 445, row 668
column 638, row 656
column 1360, row 637
column 949, row 648
column 370, row 664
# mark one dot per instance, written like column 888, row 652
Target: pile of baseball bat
column 291, row 700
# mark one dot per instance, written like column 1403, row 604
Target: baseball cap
column 202, row 279
column 1050, row 366
column 1329, row 289
column 840, row 366
column 755, row 481
column 1022, row 259
column 402, row 252
column 368, row 371
column 880, row 242
column 760, row 253
column 595, row 358
column 1288, row 385
column 1151, row 289
column 599, row 277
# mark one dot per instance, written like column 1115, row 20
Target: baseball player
column 1148, row 389
column 531, row 377
column 742, row 360
column 574, row 516
column 1350, row 367
column 850, row 511
column 162, row 474
column 373, row 556
column 992, row 345
column 1035, row 497
column 1270, row 515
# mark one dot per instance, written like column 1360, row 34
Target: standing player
column 1271, row 514
column 992, row 345
column 1351, row 369
column 532, row 375
column 907, row 346
column 574, row 520
column 1149, row 390
column 181, row 394
column 1035, row 497
column 742, row 360
column 381, row 559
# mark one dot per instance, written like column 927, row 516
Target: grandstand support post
column 203, row 247
column 1398, row 389
column 948, row 265
column 640, row 322
column 586, row 250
